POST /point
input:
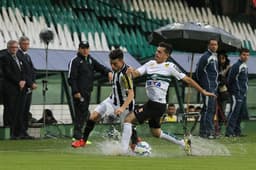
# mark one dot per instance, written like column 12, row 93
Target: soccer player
column 121, row 100
column 238, row 85
column 159, row 72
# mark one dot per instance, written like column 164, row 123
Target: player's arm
column 137, row 72
column 194, row 84
column 128, row 85
column 126, row 102
column 133, row 72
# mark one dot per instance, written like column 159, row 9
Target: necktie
column 17, row 61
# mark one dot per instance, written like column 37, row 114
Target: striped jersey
column 120, row 85
column 159, row 78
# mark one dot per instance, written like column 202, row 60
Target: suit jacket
column 2, row 52
column 29, row 70
column 12, row 74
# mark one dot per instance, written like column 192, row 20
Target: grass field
column 56, row 154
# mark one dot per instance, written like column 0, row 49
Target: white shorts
column 107, row 108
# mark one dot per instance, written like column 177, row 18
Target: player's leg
column 134, row 138
column 156, row 110
column 127, row 131
column 156, row 131
column 99, row 112
column 94, row 117
column 134, row 117
column 184, row 143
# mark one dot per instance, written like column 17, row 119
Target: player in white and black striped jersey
column 122, row 83
column 119, row 103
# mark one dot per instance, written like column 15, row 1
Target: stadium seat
column 104, row 42
column 97, row 41
column 91, row 41
column 76, row 18
column 68, row 38
column 75, row 40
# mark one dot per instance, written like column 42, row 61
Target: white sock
column 171, row 138
column 126, row 135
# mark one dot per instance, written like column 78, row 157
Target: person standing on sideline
column 223, row 95
column 237, row 86
column 207, row 77
column 2, row 52
column 121, row 100
column 14, row 84
column 81, row 77
column 30, row 78
column 159, row 72
column 6, row 119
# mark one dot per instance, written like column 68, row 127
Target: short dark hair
column 191, row 106
column 213, row 39
column 23, row 38
column 168, row 47
column 116, row 54
column 171, row 105
column 198, row 107
column 244, row 50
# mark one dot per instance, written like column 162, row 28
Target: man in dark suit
column 13, row 89
column 2, row 52
column 30, row 78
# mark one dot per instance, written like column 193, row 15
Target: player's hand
column 206, row 93
column 110, row 77
column 130, row 70
column 119, row 111
column 77, row 95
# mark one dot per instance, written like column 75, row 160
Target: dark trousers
column 81, row 115
column 207, row 116
column 235, row 116
column 13, row 115
column 1, row 91
column 26, row 109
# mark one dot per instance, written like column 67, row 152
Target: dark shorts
column 152, row 111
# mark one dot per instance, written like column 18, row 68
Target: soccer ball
column 142, row 149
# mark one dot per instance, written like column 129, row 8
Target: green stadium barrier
column 4, row 133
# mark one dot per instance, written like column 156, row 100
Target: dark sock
column 89, row 127
column 134, row 137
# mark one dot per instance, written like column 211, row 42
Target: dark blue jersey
column 207, row 71
column 238, row 79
